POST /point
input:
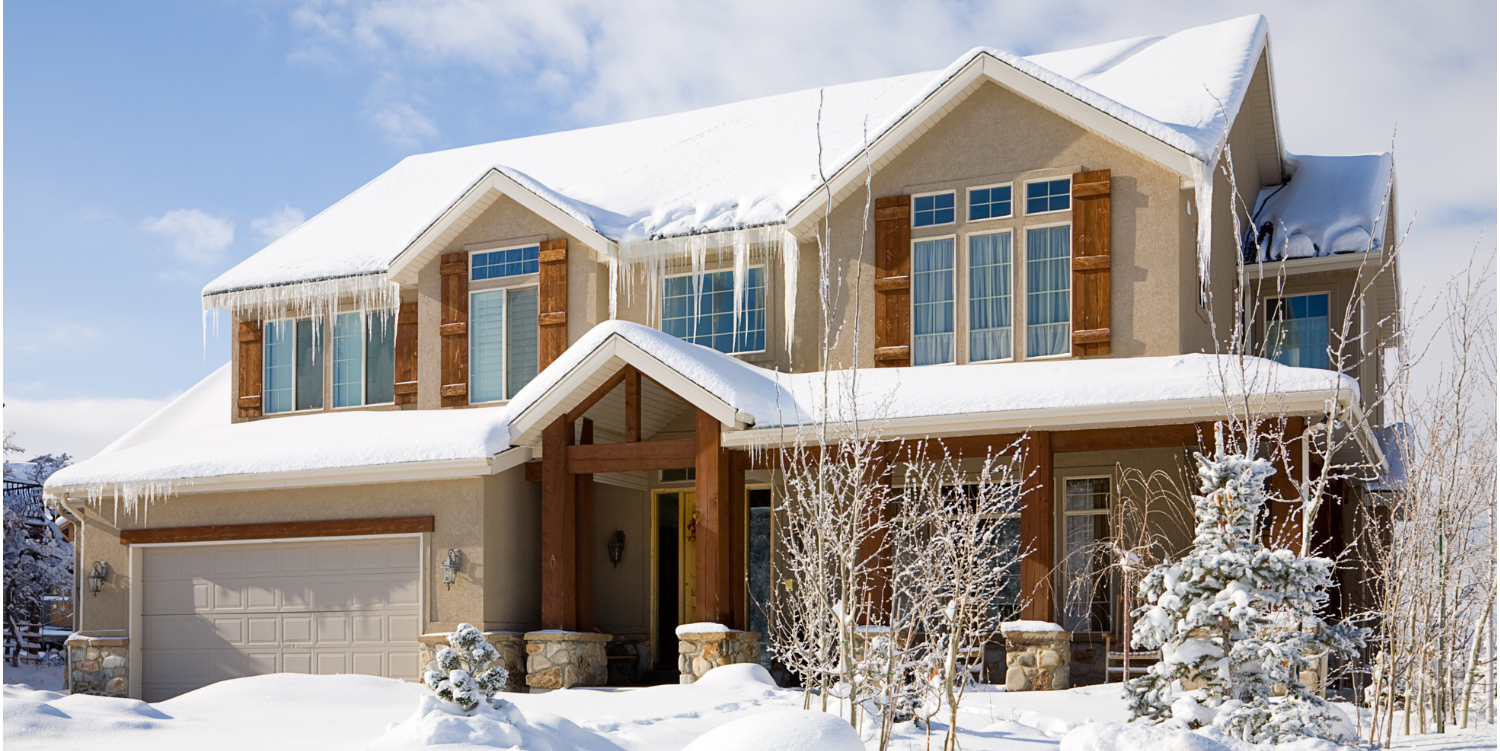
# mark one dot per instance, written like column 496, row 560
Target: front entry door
column 687, row 559
column 676, row 570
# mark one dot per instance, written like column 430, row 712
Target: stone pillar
column 564, row 659
column 510, row 644
column 701, row 651
column 98, row 665
column 1036, row 656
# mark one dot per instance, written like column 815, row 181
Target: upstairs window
column 932, row 322
column 364, row 357
column 502, row 342
column 707, row 317
column 1049, row 195
column 496, row 264
column 1297, row 330
column 1049, row 281
column 989, row 203
column 932, row 209
column 990, row 298
column 293, row 366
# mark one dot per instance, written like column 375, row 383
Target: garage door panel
column 325, row 607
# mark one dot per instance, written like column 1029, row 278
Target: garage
column 215, row 611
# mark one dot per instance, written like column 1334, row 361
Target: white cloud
column 402, row 125
column 79, row 427
column 278, row 223
column 198, row 238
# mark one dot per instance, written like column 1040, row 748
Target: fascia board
column 1132, row 414
column 1065, row 105
column 1270, row 270
column 403, row 270
column 510, row 458
column 443, row 469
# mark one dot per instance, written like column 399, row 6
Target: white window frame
column 473, row 254
column 911, row 311
column 363, row 358
column 1025, row 189
column 969, row 201
column 1026, row 290
column 1265, row 325
column 1109, row 513
column 914, row 198
column 968, row 267
column 765, row 276
column 504, row 332
column 265, row 399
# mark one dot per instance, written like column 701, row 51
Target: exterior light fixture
column 617, row 548
column 97, row 577
column 450, row 567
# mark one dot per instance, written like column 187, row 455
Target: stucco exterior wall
column 622, row 595
column 513, row 548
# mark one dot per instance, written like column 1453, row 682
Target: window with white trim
column 932, row 299
column 503, row 342
column 932, row 209
column 991, row 202
column 1049, row 282
column 990, row 298
column 1086, row 530
column 1297, row 330
column 706, row 315
column 1045, row 196
column 292, row 363
column 364, row 359
column 1006, row 534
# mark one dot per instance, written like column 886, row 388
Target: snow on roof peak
column 1330, row 205
column 747, row 163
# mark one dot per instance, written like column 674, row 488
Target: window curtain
column 348, row 360
column 989, row 297
column 278, row 367
column 521, row 334
column 380, row 358
column 932, row 302
column 1297, row 331
column 309, row 365
column 487, row 346
column 1049, row 276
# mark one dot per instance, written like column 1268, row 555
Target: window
column 495, row 264
column 364, row 359
column 1297, row 330
column 502, row 342
column 1048, row 195
column 989, row 203
column 1086, row 519
column 932, row 301
column 707, row 318
column 1049, row 273
column 989, row 296
column 932, row 210
column 1006, row 551
column 293, row 366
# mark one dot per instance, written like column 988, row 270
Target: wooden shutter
column 893, row 281
column 552, row 308
column 455, row 329
column 406, row 354
column 1091, row 227
column 250, row 338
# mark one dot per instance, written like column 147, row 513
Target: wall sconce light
column 617, row 548
column 450, row 567
column 97, row 577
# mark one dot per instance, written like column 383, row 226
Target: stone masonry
column 700, row 652
column 510, row 644
column 1037, row 660
column 564, row 659
column 98, row 665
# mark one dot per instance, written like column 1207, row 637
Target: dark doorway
column 667, row 584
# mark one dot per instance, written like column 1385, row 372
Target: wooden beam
column 711, row 502
column 583, row 494
column 1037, row 526
column 957, row 447
column 630, row 457
column 872, row 545
column 559, row 530
column 1116, row 439
column 389, row 525
column 632, row 404
column 599, row 393
column 534, row 470
column 737, row 512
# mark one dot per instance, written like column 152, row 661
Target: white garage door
column 211, row 612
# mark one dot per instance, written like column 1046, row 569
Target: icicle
column 645, row 263
column 790, row 260
column 614, row 286
column 741, row 274
column 1203, row 192
column 371, row 292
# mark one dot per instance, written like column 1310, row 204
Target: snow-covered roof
column 1395, row 442
column 748, row 163
column 1330, row 205
column 205, row 405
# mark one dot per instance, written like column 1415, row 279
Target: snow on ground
column 44, row 677
column 731, row 708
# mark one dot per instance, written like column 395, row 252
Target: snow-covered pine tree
column 1237, row 619
column 465, row 672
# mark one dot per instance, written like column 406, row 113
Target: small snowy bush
column 1239, row 620
column 465, row 672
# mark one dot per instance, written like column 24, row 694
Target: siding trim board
column 392, row 525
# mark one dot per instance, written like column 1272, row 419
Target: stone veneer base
column 698, row 653
column 510, row 644
column 98, row 665
column 564, row 659
column 1037, row 660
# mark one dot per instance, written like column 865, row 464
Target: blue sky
column 150, row 146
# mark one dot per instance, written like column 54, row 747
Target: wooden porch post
column 1284, row 520
column 584, row 531
column 632, row 405
column 559, row 530
column 735, row 503
column 713, row 527
column 872, row 550
column 1037, row 525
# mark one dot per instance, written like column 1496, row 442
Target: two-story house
column 518, row 384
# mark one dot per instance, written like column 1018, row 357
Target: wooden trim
column 533, row 471
column 390, row 525
column 711, row 501
column 552, row 301
column 632, row 405
column 1118, row 439
column 1091, row 336
column 583, row 494
column 449, row 268
column 250, row 402
column 453, row 326
column 552, row 254
column 892, row 282
column 892, row 212
column 552, row 319
column 1038, row 525
column 455, row 390
column 631, row 457
column 888, row 354
column 405, row 387
column 559, row 530
column 1096, row 188
column 454, row 329
column 1091, row 263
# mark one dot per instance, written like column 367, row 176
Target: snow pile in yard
column 497, row 725
column 784, row 730
column 1117, row 736
column 743, row 164
column 1331, row 205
